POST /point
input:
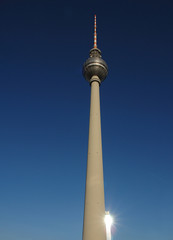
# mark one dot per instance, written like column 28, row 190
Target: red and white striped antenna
column 95, row 33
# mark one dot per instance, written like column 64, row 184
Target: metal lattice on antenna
column 95, row 33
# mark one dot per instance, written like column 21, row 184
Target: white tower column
column 94, row 226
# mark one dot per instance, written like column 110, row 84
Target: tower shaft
column 93, row 225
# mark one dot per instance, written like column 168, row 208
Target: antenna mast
column 95, row 33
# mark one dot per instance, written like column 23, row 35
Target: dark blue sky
column 44, row 117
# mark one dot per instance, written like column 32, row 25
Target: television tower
column 95, row 71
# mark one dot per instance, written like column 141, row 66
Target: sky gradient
column 44, row 117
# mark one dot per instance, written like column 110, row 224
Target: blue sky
column 44, row 108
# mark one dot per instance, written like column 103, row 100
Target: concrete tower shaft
column 95, row 71
column 93, row 226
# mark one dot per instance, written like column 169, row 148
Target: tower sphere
column 95, row 66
